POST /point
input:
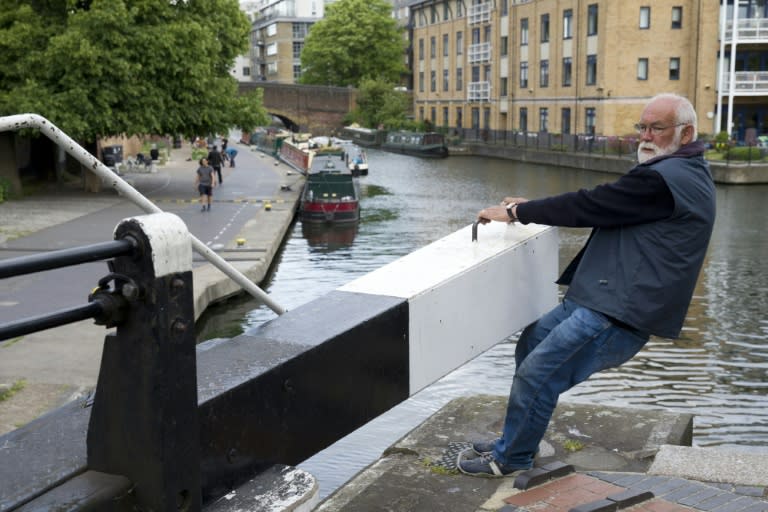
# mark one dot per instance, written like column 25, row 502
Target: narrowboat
column 331, row 195
column 358, row 164
column 427, row 145
column 365, row 137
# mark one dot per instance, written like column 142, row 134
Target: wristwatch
column 510, row 213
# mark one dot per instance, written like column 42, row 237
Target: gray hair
column 684, row 111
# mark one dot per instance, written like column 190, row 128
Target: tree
column 379, row 103
column 356, row 39
column 99, row 68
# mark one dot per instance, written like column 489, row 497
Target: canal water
column 717, row 370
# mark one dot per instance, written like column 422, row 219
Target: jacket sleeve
column 637, row 197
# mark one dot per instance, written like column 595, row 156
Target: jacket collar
column 695, row 148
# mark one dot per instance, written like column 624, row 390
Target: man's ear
column 686, row 135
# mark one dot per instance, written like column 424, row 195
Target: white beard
column 642, row 156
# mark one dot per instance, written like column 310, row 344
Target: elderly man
column 633, row 278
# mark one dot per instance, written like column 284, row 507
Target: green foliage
column 109, row 67
column 6, row 393
column 745, row 153
column 378, row 103
column 5, row 189
column 357, row 39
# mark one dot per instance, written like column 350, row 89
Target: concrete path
column 52, row 367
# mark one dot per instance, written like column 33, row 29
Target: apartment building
column 277, row 37
column 587, row 66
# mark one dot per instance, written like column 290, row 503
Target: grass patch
column 573, row 445
column 11, row 342
column 7, row 393
column 437, row 468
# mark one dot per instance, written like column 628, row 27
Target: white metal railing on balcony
column 479, row 91
column 748, row 28
column 747, row 82
column 480, row 13
column 480, row 52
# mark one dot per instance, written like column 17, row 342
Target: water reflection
column 717, row 370
column 328, row 238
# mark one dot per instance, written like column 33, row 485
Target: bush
column 745, row 153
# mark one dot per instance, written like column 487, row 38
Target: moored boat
column 366, row 137
column 358, row 164
column 428, row 145
column 331, row 195
column 295, row 151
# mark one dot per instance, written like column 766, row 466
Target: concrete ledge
column 712, row 465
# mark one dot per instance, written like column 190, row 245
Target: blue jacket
column 651, row 232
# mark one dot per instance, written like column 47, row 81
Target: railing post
column 144, row 421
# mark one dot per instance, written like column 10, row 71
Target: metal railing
column 90, row 162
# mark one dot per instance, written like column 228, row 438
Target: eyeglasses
column 655, row 129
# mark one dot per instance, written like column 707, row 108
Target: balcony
column 479, row 91
column 480, row 13
column 747, row 83
column 749, row 29
column 480, row 52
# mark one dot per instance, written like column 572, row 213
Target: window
column 503, row 87
column 674, row 68
column 544, row 73
column 487, row 34
column 445, row 116
column 504, row 7
column 523, row 31
column 565, row 124
column 589, row 120
column 446, row 80
column 459, row 79
column 475, row 118
column 504, row 46
column 446, row 11
column 645, row 17
column 459, row 8
column 272, row 68
column 544, row 29
column 421, row 49
column 523, row 119
column 296, row 72
column 567, row 71
column 272, row 30
column 421, row 113
column 432, row 47
column 433, row 14
column 272, row 49
column 459, row 43
column 433, row 81
column 421, row 81
column 433, row 115
column 475, row 36
column 642, row 69
column 544, row 119
column 591, row 69
column 568, row 24
column 475, row 73
column 300, row 30
column 523, row 74
column 446, row 45
column 592, row 19
column 459, row 117
column 246, row 71
column 677, row 17
column 297, row 47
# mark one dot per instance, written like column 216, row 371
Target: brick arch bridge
column 316, row 109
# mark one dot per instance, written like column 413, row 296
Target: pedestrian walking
column 231, row 153
column 205, row 181
column 634, row 277
column 215, row 159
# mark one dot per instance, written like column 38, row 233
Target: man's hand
column 499, row 213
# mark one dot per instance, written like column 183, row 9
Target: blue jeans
column 561, row 349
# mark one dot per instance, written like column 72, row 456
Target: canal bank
column 723, row 173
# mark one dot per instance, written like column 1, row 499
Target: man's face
column 659, row 131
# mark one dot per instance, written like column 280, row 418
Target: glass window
column 433, row 115
column 591, row 69
column 459, row 8
column 247, row 70
column 446, row 80
column 590, row 118
column 524, row 74
column 459, row 117
column 446, row 45
column 272, row 49
column 677, row 17
column 567, row 24
column 445, row 116
column 433, row 81
column 487, row 34
column 543, row 119
column 503, row 87
column 504, row 7
column 459, row 79
column 642, row 69
column 523, row 31
column 523, row 119
column 475, row 36
column 544, row 28
column 544, row 73
column 296, row 72
column 446, row 11
column 421, row 81
column 475, row 73
column 565, row 127
column 674, row 68
column 592, row 19
column 504, row 46
column 421, row 49
column 297, row 47
column 432, row 47
column 567, row 71
column 645, row 17
column 459, row 43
